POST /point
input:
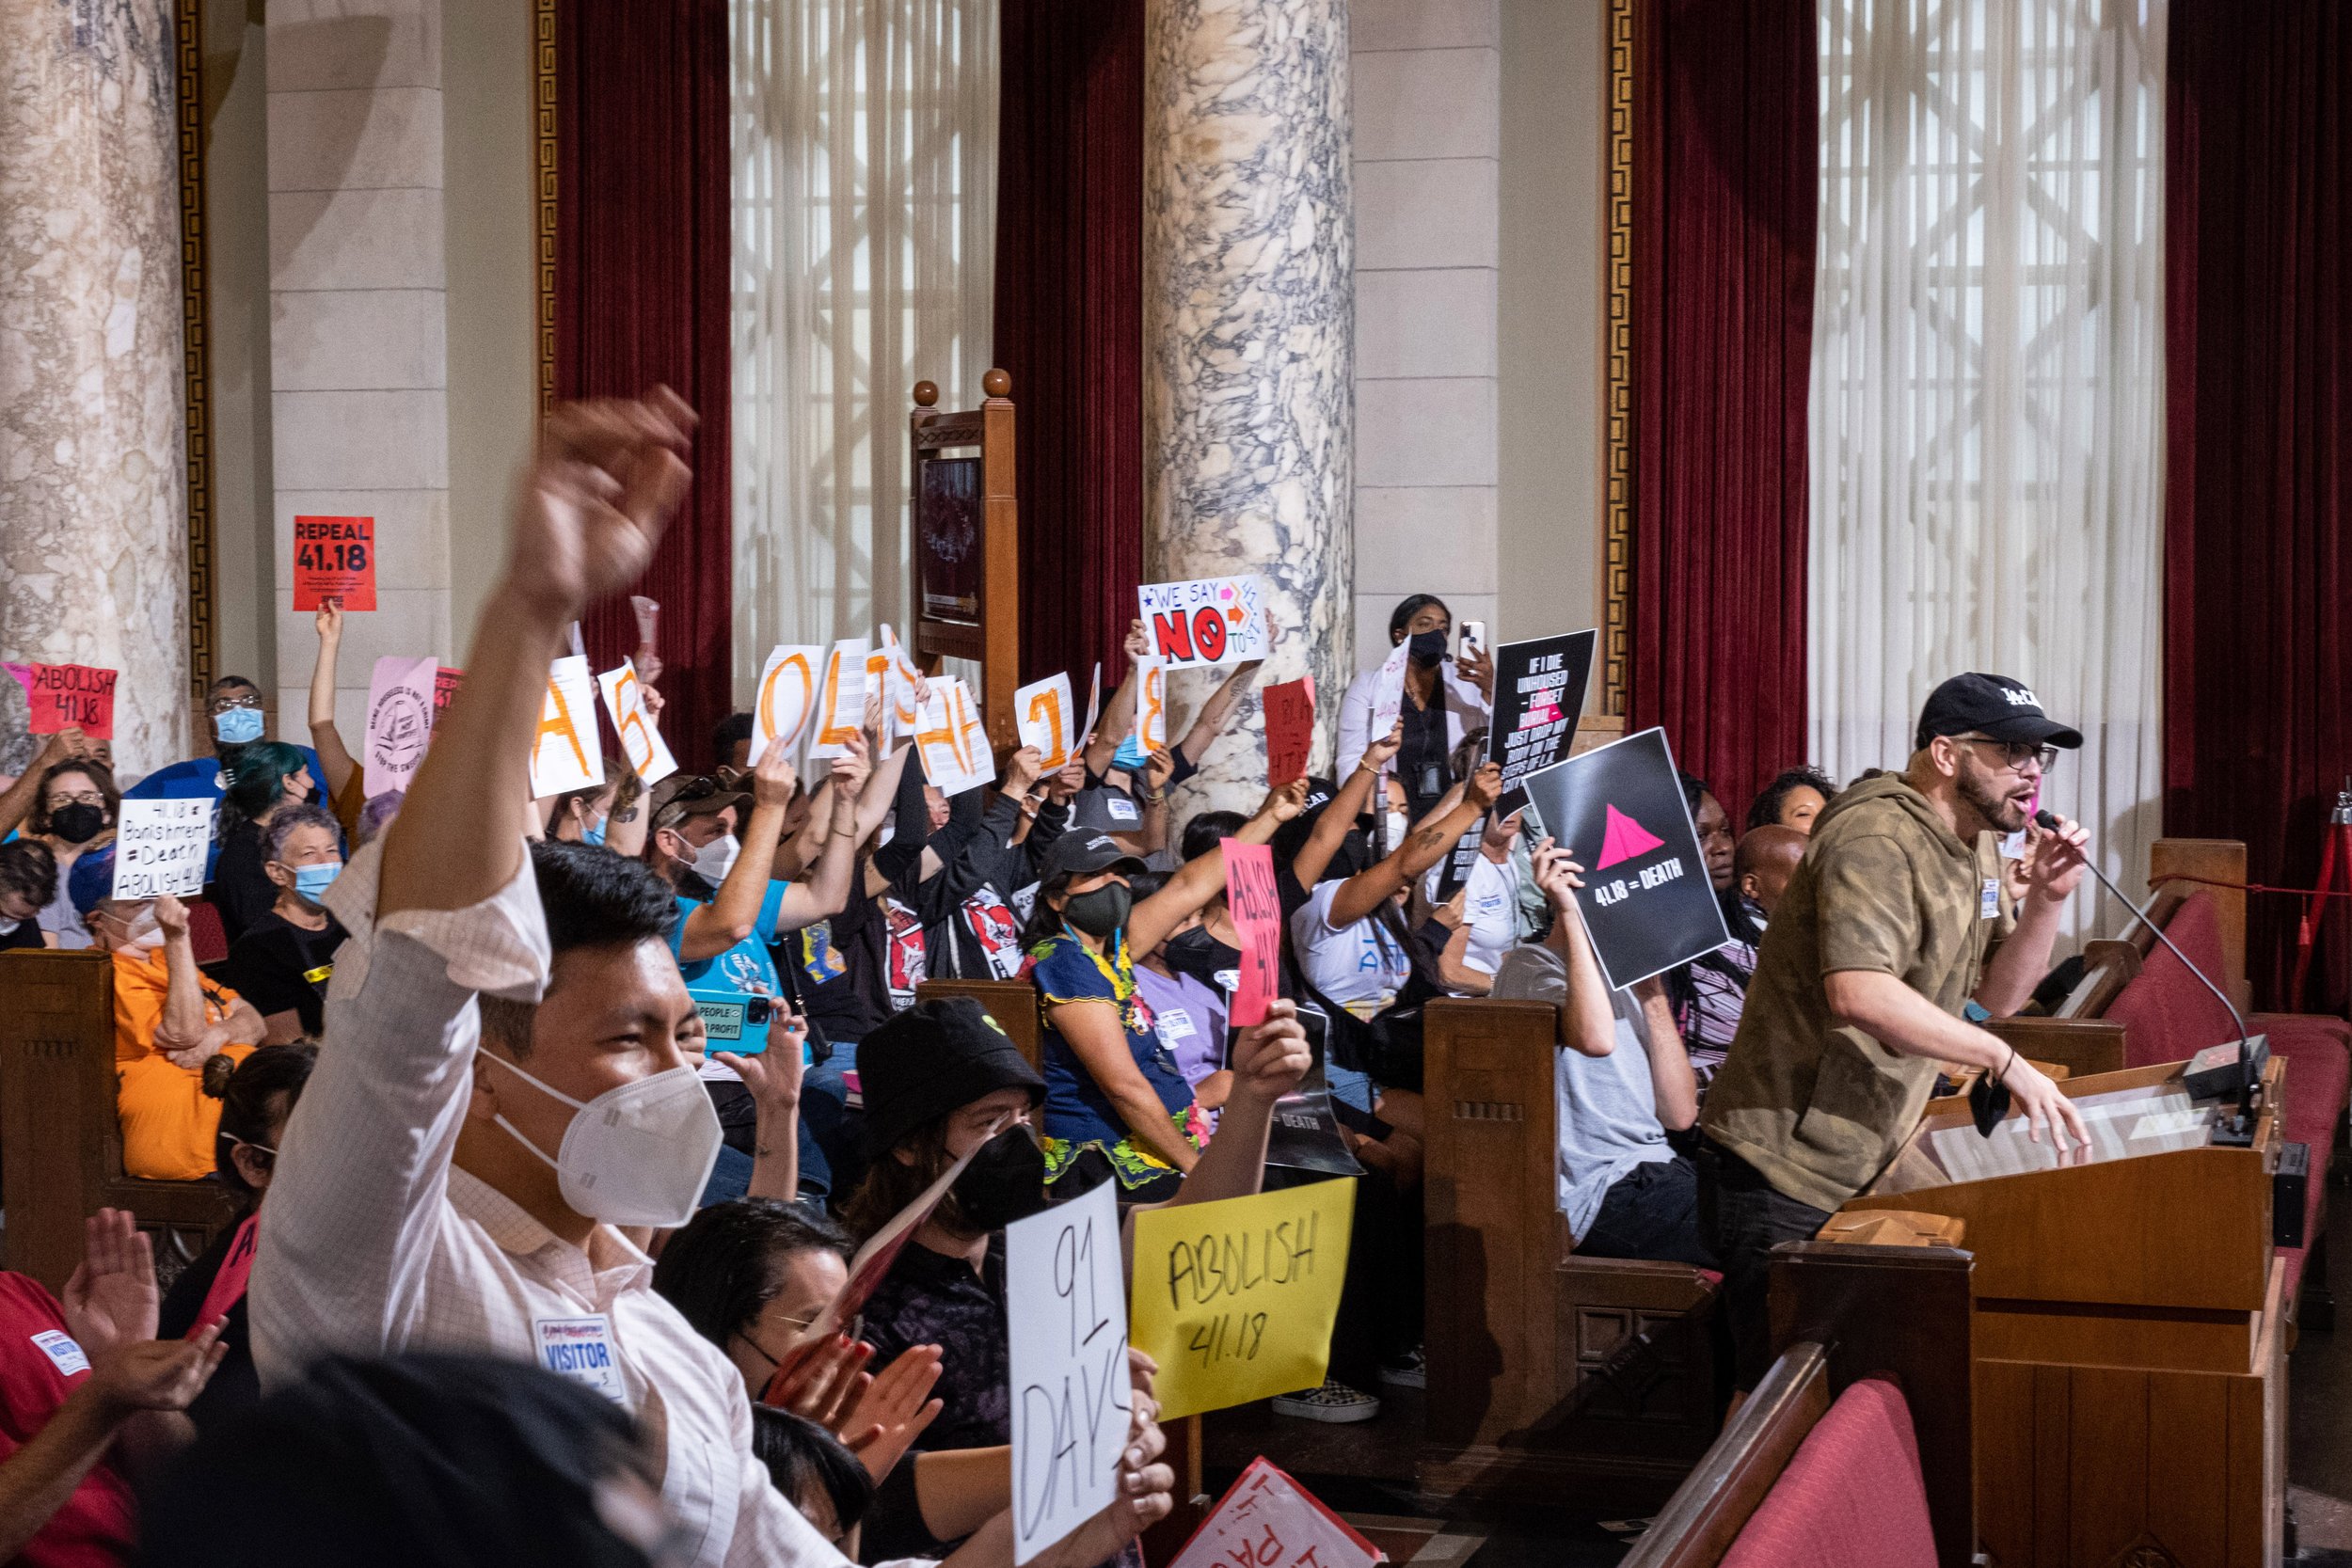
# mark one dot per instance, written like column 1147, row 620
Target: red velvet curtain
column 2258, row 502
column 642, row 273
column 1070, row 320
column 1725, row 182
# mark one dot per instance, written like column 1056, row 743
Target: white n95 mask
column 637, row 1155
column 713, row 861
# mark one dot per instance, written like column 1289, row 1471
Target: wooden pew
column 1013, row 1005
column 60, row 1144
column 1841, row 1315
column 1545, row 1369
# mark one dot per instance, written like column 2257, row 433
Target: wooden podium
column 2130, row 1337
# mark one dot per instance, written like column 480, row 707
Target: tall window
column 1986, row 464
column 865, row 159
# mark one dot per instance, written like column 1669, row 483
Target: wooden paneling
column 1012, row 1003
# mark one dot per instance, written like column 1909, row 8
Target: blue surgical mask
column 1130, row 755
column 592, row 833
column 311, row 881
column 237, row 725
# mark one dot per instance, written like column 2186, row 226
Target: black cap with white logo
column 1994, row 706
column 1083, row 851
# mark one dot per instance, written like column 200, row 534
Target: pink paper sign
column 1257, row 920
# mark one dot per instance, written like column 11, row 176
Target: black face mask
column 1199, row 955
column 1101, row 913
column 1005, row 1181
column 78, row 823
column 1428, row 647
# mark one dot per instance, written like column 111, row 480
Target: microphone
column 2250, row 1051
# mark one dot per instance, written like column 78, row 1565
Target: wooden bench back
column 61, row 1141
column 1841, row 1314
column 1545, row 1368
column 1012, row 1003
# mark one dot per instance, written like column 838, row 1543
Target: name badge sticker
column 1175, row 1024
column 1988, row 901
column 64, row 1353
column 1121, row 809
column 581, row 1350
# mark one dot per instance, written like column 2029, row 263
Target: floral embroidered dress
column 1078, row 1114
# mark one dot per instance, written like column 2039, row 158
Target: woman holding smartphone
column 1445, row 697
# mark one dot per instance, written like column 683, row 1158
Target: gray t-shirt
column 1606, row 1106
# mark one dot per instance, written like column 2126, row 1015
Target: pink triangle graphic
column 1625, row 839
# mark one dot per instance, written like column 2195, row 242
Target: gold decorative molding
column 195, row 322
column 543, row 98
column 1618, row 405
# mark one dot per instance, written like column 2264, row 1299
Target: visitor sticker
column 582, row 1349
column 334, row 557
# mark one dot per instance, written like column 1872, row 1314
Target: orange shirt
column 168, row 1122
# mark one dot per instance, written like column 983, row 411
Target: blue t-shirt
column 202, row 778
column 1078, row 1114
column 720, row 982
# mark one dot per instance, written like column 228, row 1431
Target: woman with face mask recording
column 1114, row 1100
column 1443, row 699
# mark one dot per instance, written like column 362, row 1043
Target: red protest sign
column 444, row 687
column 334, row 558
column 1290, row 730
column 67, row 696
column 1258, row 921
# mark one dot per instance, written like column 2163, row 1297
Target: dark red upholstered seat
column 1852, row 1496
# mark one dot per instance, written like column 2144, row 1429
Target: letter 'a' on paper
column 564, row 750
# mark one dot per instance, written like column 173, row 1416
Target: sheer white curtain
column 1987, row 413
column 864, row 192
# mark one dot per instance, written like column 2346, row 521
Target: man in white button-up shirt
column 415, row 1202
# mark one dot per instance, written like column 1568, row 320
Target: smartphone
column 1474, row 638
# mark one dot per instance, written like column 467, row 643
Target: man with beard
column 1888, row 950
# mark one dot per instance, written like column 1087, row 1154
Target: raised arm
column 593, row 508
column 17, row 803
column 1202, row 878
column 1314, row 856
column 711, row 929
column 182, row 1026
column 1588, row 1020
column 1269, row 1059
column 1210, row 722
column 1423, row 849
column 826, row 892
column 335, row 758
column 1119, row 717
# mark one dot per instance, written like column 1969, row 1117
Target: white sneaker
column 1334, row 1401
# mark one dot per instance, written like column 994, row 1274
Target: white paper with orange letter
column 566, row 753
column 624, row 698
column 951, row 741
column 1041, row 709
column 840, row 699
column 786, row 698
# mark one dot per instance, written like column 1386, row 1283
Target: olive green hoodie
column 1820, row 1108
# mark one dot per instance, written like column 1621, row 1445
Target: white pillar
column 93, row 395
column 1248, row 329
column 358, row 344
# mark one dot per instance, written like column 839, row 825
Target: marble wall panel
column 1424, row 321
column 363, row 239
column 93, row 499
column 1248, row 329
column 358, row 340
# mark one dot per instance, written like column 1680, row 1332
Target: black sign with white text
column 1618, row 811
column 1539, row 692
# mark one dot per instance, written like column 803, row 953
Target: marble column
column 1248, row 328
column 93, row 400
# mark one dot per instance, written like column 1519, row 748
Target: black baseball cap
column 1084, row 851
column 935, row 1057
column 1991, row 705
column 694, row 795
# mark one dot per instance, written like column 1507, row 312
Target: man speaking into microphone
column 1889, row 948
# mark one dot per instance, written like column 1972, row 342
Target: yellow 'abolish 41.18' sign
column 1235, row 1299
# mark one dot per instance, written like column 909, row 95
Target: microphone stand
column 2240, row 1130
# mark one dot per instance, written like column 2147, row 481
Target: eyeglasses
column 2015, row 754
column 222, row 704
column 79, row 798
